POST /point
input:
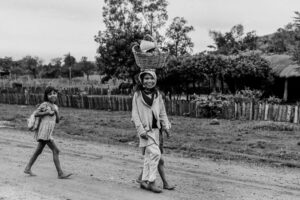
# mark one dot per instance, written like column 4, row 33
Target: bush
column 213, row 104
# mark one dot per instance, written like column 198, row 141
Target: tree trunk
column 194, row 86
column 235, row 86
column 222, row 83
column 214, row 79
column 285, row 94
column 70, row 73
column 133, row 79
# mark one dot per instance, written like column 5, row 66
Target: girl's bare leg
column 35, row 155
column 55, row 152
column 139, row 179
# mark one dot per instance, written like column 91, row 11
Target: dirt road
column 108, row 172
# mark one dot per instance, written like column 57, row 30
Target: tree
column 214, row 67
column 180, row 74
column 179, row 41
column 115, row 55
column 49, row 71
column 154, row 12
column 296, row 53
column 69, row 62
column 31, row 65
column 249, row 70
column 123, row 28
column 234, row 41
column 297, row 19
column 6, row 64
column 86, row 66
column 57, row 63
column 277, row 44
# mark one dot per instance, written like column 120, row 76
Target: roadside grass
column 251, row 141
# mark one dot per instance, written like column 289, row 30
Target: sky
column 52, row 28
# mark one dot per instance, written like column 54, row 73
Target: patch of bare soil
column 106, row 172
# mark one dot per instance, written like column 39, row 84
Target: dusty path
column 107, row 172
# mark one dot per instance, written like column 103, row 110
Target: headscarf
column 152, row 73
column 152, row 91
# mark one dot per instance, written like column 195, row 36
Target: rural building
column 288, row 76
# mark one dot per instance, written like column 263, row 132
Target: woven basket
column 150, row 60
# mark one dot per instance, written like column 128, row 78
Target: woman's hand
column 167, row 133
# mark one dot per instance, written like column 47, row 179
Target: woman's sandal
column 144, row 185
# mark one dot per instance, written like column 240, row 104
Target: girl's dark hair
column 48, row 90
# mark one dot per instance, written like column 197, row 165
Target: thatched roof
column 283, row 65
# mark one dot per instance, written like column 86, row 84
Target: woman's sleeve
column 163, row 114
column 135, row 116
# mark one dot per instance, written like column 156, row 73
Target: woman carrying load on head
column 149, row 116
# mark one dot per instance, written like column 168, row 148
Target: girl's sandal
column 169, row 187
column 29, row 172
column 64, row 176
column 138, row 180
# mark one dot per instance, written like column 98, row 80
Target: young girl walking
column 149, row 115
column 49, row 116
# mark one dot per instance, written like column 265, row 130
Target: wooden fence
column 70, row 90
column 235, row 110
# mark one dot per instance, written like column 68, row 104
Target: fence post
column 289, row 112
column 266, row 112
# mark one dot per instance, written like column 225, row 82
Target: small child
column 49, row 116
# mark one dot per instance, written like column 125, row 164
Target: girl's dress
column 47, row 123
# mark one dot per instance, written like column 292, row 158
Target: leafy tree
column 31, row 65
column 297, row 19
column 86, row 66
column 250, row 71
column 50, row 71
column 123, row 28
column 180, row 74
column 278, row 42
column 154, row 12
column 169, row 79
column 234, row 41
column 57, row 63
column 6, row 63
column 69, row 62
column 214, row 67
column 296, row 53
column 179, row 42
column 115, row 55
column 17, row 68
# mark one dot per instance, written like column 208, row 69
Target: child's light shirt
column 47, row 122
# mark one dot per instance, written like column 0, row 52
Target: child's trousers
column 151, row 159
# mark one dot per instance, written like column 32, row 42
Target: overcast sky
column 52, row 28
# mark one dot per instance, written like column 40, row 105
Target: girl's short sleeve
column 43, row 107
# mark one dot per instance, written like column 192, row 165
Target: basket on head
column 150, row 60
